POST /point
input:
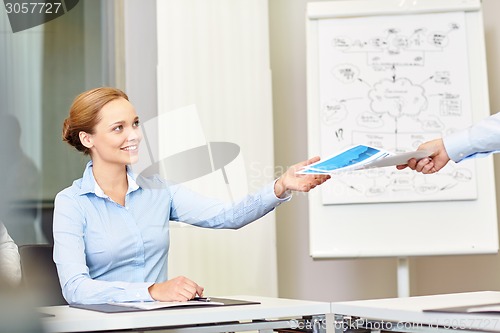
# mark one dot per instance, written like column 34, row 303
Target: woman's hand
column 179, row 289
column 291, row 181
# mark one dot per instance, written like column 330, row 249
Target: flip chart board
column 394, row 74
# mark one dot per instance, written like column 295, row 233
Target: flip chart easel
column 402, row 230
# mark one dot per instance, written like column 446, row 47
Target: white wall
column 215, row 54
column 140, row 67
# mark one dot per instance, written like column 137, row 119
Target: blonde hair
column 84, row 114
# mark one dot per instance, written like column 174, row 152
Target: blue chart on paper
column 354, row 156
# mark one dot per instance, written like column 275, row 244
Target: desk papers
column 160, row 305
column 472, row 309
column 151, row 306
column 361, row 157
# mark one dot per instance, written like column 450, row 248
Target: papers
column 361, row 157
column 476, row 308
column 161, row 305
column 484, row 309
column 146, row 306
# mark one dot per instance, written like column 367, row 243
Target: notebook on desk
column 150, row 306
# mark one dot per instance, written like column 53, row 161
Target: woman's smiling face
column 117, row 135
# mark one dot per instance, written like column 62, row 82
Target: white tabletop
column 410, row 310
column 67, row 319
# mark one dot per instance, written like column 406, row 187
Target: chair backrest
column 40, row 274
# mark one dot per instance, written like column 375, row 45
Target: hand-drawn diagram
column 394, row 82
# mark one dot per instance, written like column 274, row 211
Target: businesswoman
column 111, row 227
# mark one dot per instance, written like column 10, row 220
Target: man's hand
column 432, row 164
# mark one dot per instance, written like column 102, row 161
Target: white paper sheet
column 361, row 157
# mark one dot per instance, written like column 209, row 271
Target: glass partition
column 42, row 69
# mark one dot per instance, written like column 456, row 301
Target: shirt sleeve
column 478, row 140
column 195, row 209
column 69, row 255
column 10, row 265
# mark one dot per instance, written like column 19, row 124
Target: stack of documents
column 477, row 308
column 361, row 157
column 161, row 305
column 146, row 306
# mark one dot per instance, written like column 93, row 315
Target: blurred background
column 243, row 63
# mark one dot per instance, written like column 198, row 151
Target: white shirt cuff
column 458, row 145
column 285, row 197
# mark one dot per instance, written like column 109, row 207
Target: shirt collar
column 89, row 185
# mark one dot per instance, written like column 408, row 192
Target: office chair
column 40, row 274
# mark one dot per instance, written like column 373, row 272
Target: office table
column 407, row 315
column 271, row 314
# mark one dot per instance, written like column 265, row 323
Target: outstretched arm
column 481, row 139
column 196, row 209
